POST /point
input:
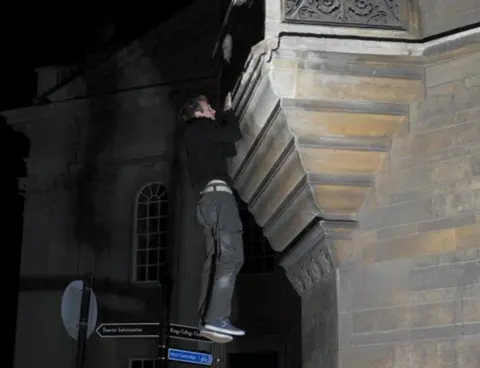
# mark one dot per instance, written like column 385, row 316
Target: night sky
column 42, row 35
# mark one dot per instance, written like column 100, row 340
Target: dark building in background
column 107, row 194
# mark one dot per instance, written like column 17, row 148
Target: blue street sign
column 186, row 356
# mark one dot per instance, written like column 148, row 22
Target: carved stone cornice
column 310, row 262
column 316, row 129
column 318, row 116
column 384, row 14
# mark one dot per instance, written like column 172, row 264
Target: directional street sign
column 186, row 333
column 119, row 330
column 187, row 356
column 148, row 330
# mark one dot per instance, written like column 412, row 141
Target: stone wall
column 412, row 299
column 443, row 16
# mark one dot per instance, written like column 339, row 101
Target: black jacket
column 208, row 144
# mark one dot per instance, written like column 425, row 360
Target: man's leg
column 207, row 278
column 207, row 275
column 227, row 263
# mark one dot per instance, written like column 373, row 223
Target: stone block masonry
column 411, row 296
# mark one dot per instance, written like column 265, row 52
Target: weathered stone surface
column 411, row 246
column 444, row 276
column 317, row 85
column 456, row 69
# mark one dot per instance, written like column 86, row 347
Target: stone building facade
column 359, row 162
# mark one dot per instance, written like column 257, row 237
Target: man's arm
column 230, row 124
column 228, row 130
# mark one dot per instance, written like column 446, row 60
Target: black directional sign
column 148, row 330
column 118, row 330
column 186, row 333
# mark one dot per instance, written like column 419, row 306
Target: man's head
column 198, row 107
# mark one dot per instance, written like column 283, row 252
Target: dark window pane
column 258, row 265
column 163, row 239
column 153, row 241
column 155, row 188
column 147, row 191
column 141, row 273
column 153, row 257
column 163, row 223
column 141, row 241
column 163, row 256
column 153, row 273
column 141, row 226
column 247, row 268
column 141, row 210
column 163, row 207
column 270, row 264
column 148, row 364
column 258, row 249
column 153, row 209
column 163, row 194
column 153, row 225
column 142, row 257
column 136, row 364
column 142, row 198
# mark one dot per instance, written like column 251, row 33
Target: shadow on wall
column 94, row 134
column 171, row 65
column 15, row 148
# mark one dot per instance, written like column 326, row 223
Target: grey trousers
column 218, row 213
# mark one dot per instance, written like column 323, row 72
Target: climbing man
column 208, row 144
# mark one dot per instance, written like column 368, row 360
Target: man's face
column 207, row 111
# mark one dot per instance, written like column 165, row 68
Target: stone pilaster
column 310, row 268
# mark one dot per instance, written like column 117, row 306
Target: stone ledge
column 425, row 52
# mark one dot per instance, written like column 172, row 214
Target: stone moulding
column 384, row 14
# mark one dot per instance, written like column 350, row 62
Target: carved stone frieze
column 312, row 271
column 364, row 13
column 310, row 262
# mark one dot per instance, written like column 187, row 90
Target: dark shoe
column 215, row 336
column 224, row 327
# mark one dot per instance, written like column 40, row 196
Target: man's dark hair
column 192, row 106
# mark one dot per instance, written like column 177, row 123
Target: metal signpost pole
column 163, row 333
column 83, row 323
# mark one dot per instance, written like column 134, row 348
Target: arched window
column 259, row 256
column 150, row 241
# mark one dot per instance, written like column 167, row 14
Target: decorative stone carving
column 309, row 263
column 369, row 13
column 313, row 271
